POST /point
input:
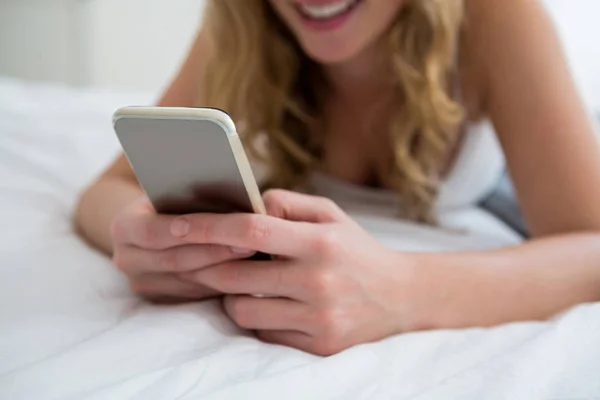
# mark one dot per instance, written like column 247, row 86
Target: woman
column 382, row 94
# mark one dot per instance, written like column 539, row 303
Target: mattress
column 71, row 329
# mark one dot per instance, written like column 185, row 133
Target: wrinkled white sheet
column 69, row 328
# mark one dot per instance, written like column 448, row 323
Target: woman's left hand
column 334, row 285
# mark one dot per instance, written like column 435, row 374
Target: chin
column 336, row 31
column 334, row 54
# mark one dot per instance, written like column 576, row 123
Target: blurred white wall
column 37, row 40
column 123, row 44
column 138, row 44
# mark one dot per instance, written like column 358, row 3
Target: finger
column 250, row 231
column 270, row 278
column 260, row 313
column 145, row 229
column 158, row 286
column 301, row 341
column 135, row 260
column 295, row 206
column 289, row 338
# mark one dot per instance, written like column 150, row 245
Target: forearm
column 533, row 281
column 100, row 204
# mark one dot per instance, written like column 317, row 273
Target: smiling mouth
column 326, row 11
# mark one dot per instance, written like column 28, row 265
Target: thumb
column 300, row 207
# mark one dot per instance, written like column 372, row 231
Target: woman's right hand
column 152, row 259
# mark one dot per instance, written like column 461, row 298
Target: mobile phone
column 188, row 160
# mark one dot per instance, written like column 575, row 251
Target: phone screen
column 187, row 165
column 184, row 166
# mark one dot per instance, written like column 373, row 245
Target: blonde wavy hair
column 264, row 80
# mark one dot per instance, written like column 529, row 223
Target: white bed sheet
column 70, row 329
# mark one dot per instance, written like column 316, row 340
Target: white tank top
column 476, row 170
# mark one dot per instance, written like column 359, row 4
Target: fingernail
column 180, row 227
column 241, row 251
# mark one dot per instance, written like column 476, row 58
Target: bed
column 71, row 329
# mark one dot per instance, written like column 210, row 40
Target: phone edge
column 217, row 116
column 211, row 114
column 247, row 174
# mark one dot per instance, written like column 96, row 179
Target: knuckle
column 148, row 237
column 322, row 283
column 279, row 282
column 228, row 276
column 327, row 319
column 169, row 260
column 144, row 206
column 117, row 229
column 240, row 313
column 332, row 326
column 273, row 200
column 330, row 206
column 273, row 195
column 205, row 230
column 325, row 347
column 140, row 288
column 256, row 228
column 121, row 262
column 213, row 253
column 328, row 243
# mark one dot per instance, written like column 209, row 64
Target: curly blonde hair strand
column 262, row 78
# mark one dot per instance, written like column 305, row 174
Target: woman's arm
column 117, row 187
column 554, row 159
column 533, row 281
column 336, row 286
column 526, row 88
column 111, row 193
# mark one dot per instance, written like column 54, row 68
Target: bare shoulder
column 524, row 85
column 492, row 17
column 501, row 37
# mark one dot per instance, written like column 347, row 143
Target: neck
column 363, row 76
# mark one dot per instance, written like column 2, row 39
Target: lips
column 325, row 10
column 325, row 15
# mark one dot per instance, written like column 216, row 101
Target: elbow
column 585, row 226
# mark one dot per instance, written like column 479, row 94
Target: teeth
column 327, row 10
